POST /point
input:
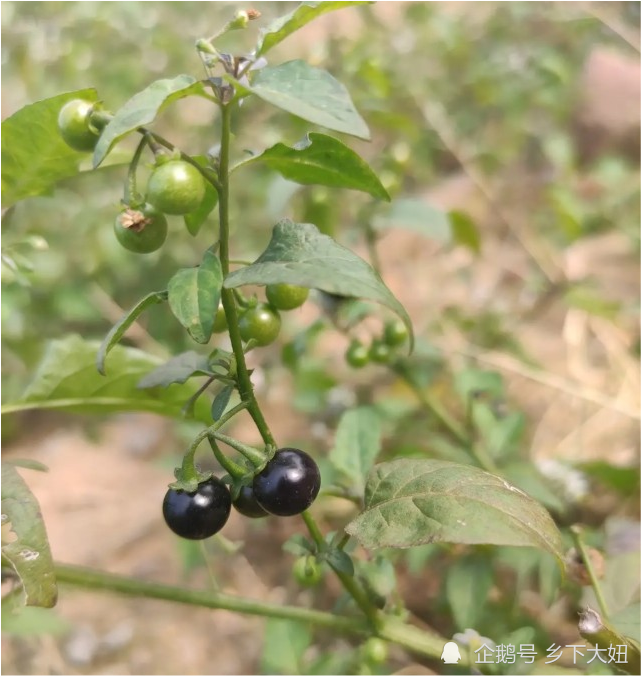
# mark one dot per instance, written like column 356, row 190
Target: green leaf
column 177, row 370
column 472, row 382
column 34, row 156
column 621, row 580
column 506, row 435
column 28, row 463
column 464, row 230
column 529, row 479
column 26, row 548
column 627, row 621
column 328, row 663
column 34, row 622
column 468, row 582
column 357, row 443
column 624, row 480
column 221, row 400
column 311, row 94
column 549, row 580
column 195, row 219
column 340, row 561
column 413, row 502
column 379, row 578
column 143, row 108
column 322, row 160
column 118, row 330
column 284, row 646
column 416, row 215
column 281, row 28
column 299, row 254
column 194, row 294
column 67, row 380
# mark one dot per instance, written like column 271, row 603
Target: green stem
column 478, row 451
column 435, row 408
column 256, row 457
column 344, row 541
column 189, row 471
column 100, row 119
column 348, row 582
column 87, row 578
column 189, row 404
column 131, row 197
column 456, row 430
column 415, row 639
column 394, row 630
column 227, row 296
column 232, row 468
column 373, row 253
column 578, row 540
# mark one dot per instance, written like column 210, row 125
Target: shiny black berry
column 198, row 515
column 247, row 505
column 288, row 484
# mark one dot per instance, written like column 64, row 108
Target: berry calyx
column 141, row 230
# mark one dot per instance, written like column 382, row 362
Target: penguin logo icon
column 450, row 654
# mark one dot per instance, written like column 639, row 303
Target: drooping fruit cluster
column 175, row 187
column 287, row 485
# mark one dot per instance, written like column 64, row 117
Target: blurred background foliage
column 495, row 92
column 501, row 80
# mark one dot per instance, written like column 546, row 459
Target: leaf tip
column 100, row 365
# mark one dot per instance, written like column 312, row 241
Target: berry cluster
column 288, row 485
column 175, row 187
column 381, row 349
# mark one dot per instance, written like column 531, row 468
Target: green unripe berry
column 395, row 333
column 141, row 230
column 357, row 355
column 176, row 187
column 306, row 571
column 260, row 323
column 286, row 296
column 74, row 127
column 375, row 650
column 379, row 352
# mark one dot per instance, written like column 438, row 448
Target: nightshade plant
column 404, row 503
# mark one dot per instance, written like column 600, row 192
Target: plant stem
column 132, row 196
column 435, row 408
column 394, row 630
column 87, row 578
column 256, row 457
column 344, row 541
column 189, row 471
column 371, row 241
column 348, row 582
column 232, row 468
column 415, row 639
column 456, row 430
column 578, row 540
column 227, row 296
